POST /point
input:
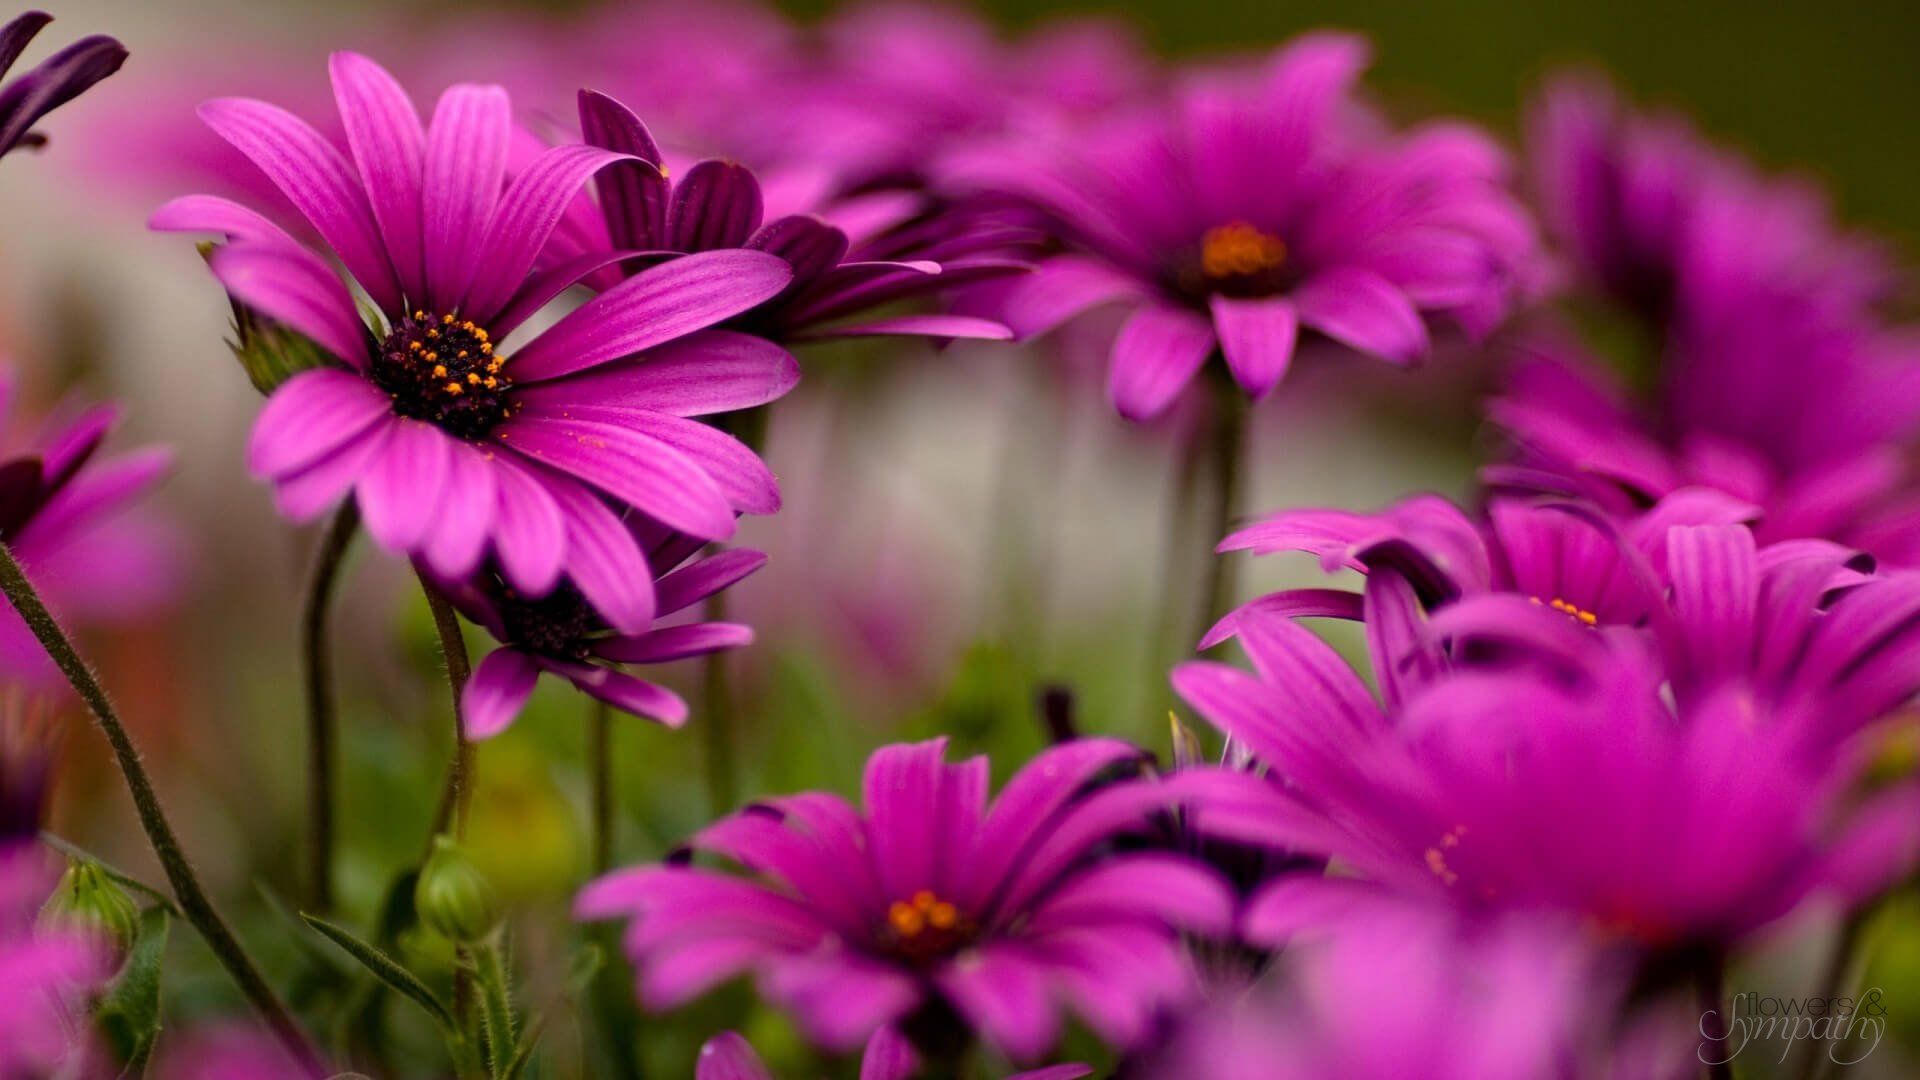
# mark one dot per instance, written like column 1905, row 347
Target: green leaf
column 125, row 881
column 128, row 1015
column 386, row 969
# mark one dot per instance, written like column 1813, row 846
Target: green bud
column 87, row 899
column 271, row 353
column 453, row 898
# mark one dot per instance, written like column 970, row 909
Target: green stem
column 717, row 717
column 194, row 904
column 1226, row 450
column 600, row 776
column 496, row 1010
column 1833, row 983
column 321, row 722
column 453, row 646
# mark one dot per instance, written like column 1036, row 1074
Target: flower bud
column 89, row 901
column 453, row 898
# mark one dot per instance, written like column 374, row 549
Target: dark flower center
column 926, row 928
column 1237, row 259
column 441, row 369
column 560, row 624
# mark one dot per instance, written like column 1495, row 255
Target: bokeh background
column 964, row 529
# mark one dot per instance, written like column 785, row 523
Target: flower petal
column 696, row 581
column 529, row 532
column 636, row 468
column 466, row 159
column 388, row 145
column 652, row 308
column 294, row 286
column 716, row 205
column 727, row 1056
column 458, row 536
column 1361, row 309
column 524, row 222
column 309, row 417
column 1156, row 354
column 713, row 371
column 498, row 690
column 1257, row 338
column 675, row 643
column 633, row 194
column 400, row 493
column 317, row 180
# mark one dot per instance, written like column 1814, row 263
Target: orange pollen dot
column 1572, row 611
column 454, row 389
column 906, row 918
column 439, row 371
column 1240, row 250
column 447, row 319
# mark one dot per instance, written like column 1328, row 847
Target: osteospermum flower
column 931, row 904
column 719, row 205
column 1256, row 208
column 1507, row 999
column 1675, row 229
column 454, row 443
column 1812, row 421
column 46, row 972
column 561, row 634
column 69, row 516
column 1672, row 796
column 57, row 80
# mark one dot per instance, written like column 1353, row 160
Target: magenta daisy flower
column 57, row 80
column 1704, row 762
column 1505, row 999
column 454, row 442
column 1259, row 207
column 561, row 634
column 1675, row 229
column 933, row 910
column 69, row 516
column 720, row 206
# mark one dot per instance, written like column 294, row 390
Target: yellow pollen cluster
column 1437, row 856
column 1240, row 250
column 1577, row 614
column 925, row 910
column 490, row 380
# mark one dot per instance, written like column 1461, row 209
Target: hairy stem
column 194, row 904
column 453, row 646
column 322, row 726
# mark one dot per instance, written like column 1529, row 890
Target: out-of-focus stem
column 322, row 725
column 1710, row 980
column 1833, row 984
column 1226, row 449
column 600, row 794
column 718, row 720
column 453, row 645
column 193, row 900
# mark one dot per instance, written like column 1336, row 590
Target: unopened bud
column 453, row 898
column 90, row 901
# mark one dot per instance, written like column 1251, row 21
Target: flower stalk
column 453, row 646
column 194, row 903
column 322, row 724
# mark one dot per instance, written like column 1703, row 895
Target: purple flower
column 561, row 634
column 1382, row 990
column 1810, row 421
column 931, row 905
column 68, row 515
column 1681, row 784
column 46, row 973
column 719, row 205
column 453, row 442
column 59, row 79
column 226, row 1052
column 1256, row 206
column 1675, row 229
column 889, row 1056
